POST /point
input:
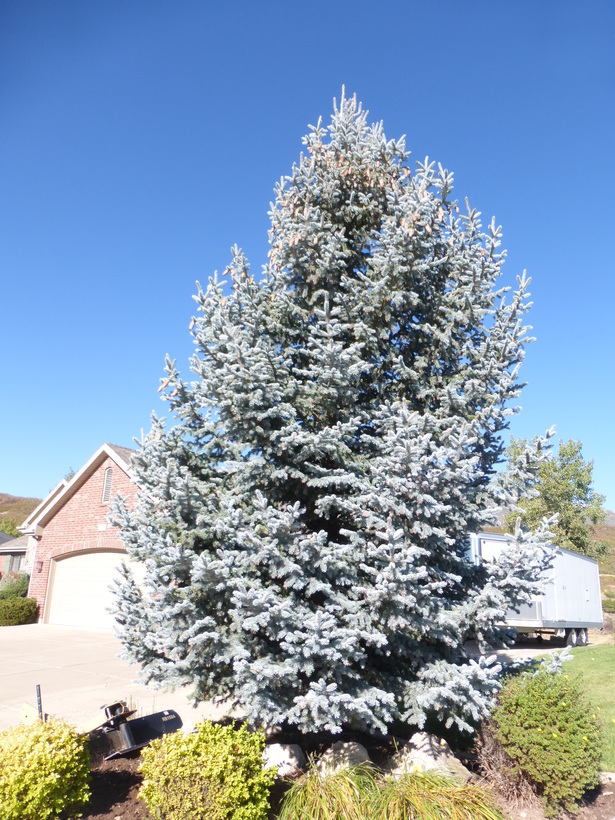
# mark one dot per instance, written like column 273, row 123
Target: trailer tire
column 582, row 637
column 572, row 637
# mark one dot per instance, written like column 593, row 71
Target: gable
column 83, row 514
column 109, row 455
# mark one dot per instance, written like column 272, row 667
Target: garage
column 80, row 589
column 74, row 550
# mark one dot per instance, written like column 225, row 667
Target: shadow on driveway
column 79, row 670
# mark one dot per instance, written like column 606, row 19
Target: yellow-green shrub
column 44, row 771
column 543, row 733
column 217, row 773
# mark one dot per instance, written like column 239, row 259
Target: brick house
column 73, row 552
column 12, row 553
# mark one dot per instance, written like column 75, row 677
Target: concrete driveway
column 78, row 671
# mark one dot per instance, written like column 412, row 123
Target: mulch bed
column 115, row 784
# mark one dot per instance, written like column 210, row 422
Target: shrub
column 14, row 611
column 346, row 794
column 608, row 605
column 44, row 771
column 543, row 734
column 217, row 772
column 14, row 585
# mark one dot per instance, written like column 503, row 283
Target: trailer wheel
column 582, row 637
column 572, row 637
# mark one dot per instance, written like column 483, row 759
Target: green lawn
column 597, row 667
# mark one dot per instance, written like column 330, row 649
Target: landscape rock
column 340, row 756
column 288, row 758
column 425, row 753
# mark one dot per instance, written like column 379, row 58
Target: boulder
column 340, row 756
column 288, row 758
column 423, row 753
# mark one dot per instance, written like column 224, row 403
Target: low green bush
column 14, row 585
column 217, row 773
column 15, row 611
column 544, row 736
column 608, row 605
column 44, row 771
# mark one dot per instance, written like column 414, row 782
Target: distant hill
column 609, row 521
column 16, row 507
column 606, row 532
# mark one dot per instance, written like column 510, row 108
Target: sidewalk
column 78, row 671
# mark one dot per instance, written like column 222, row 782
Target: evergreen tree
column 303, row 523
column 561, row 486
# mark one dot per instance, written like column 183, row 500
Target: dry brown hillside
column 16, row 507
column 606, row 532
column 601, row 532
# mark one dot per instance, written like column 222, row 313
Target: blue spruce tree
column 302, row 526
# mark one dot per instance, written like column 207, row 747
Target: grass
column 596, row 664
column 359, row 793
column 344, row 795
column 432, row 796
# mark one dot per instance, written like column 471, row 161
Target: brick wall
column 80, row 525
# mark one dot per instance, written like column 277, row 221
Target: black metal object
column 120, row 736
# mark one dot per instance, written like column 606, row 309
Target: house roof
column 66, row 489
column 4, row 536
column 125, row 453
column 15, row 544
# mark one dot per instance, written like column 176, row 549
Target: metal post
column 39, row 702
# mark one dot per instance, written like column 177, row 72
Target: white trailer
column 570, row 603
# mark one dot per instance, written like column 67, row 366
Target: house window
column 16, row 562
column 107, row 485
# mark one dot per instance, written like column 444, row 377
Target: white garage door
column 79, row 593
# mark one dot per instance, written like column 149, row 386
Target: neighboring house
column 12, row 553
column 73, row 552
column 4, row 536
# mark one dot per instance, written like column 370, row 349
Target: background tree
column 561, row 485
column 303, row 524
column 9, row 526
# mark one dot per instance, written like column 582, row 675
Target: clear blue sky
column 140, row 140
